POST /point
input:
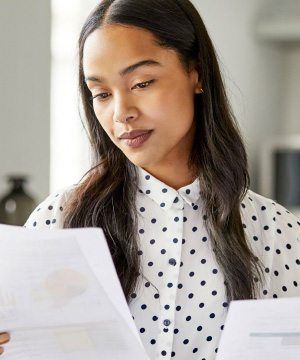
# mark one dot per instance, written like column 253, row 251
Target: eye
column 143, row 84
column 101, row 97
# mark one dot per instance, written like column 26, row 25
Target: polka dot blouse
column 180, row 306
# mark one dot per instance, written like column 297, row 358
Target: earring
column 202, row 91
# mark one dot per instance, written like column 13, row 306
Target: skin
column 157, row 97
column 4, row 338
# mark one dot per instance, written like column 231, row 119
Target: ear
column 198, row 87
column 196, row 81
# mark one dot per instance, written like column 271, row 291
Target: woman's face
column 142, row 96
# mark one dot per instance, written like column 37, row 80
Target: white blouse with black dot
column 180, row 306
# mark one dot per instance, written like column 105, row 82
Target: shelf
column 279, row 30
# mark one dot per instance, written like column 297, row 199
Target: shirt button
column 167, row 322
column 172, row 262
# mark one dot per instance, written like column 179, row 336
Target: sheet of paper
column 262, row 329
column 60, row 297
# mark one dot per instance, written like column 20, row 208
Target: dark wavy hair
column 106, row 195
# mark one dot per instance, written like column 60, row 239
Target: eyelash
column 98, row 96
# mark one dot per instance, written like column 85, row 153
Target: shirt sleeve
column 284, row 270
column 274, row 236
column 49, row 215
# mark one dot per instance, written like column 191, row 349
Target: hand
column 4, row 338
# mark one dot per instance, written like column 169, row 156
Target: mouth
column 135, row 138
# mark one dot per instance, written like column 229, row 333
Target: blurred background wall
column 25, row 63
column 262, row 73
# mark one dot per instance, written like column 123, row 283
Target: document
column 60, row 297
column 261, row 330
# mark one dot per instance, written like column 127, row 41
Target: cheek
column 104, row 120
column 162, row 104
column 183, row 97
column 157, row 107
column 177, row 106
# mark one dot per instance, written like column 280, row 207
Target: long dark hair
column 106, row 196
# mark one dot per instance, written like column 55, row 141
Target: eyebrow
column 127, row 70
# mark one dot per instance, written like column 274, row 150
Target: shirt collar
column 164, row 195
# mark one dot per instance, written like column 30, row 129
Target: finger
column 4, row 338
column 1, row 350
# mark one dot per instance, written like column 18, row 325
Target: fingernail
column 4, row 337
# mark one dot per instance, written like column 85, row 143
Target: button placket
column 168, row 297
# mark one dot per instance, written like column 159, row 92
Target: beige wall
column 25, row 92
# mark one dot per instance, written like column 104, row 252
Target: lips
column 133, row 134
column 135, row 138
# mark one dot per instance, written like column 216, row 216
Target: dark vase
column 16, row 206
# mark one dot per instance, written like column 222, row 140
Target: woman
column 169, row 184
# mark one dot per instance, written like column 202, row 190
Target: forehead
column 118, row 45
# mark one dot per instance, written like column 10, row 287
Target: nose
column 124, row 110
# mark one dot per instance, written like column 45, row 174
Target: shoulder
column 273, row 233
column 269, row 225
column 49, row 214
column 256, row 207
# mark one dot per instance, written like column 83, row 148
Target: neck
column 174, row 169
column 171, row 176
